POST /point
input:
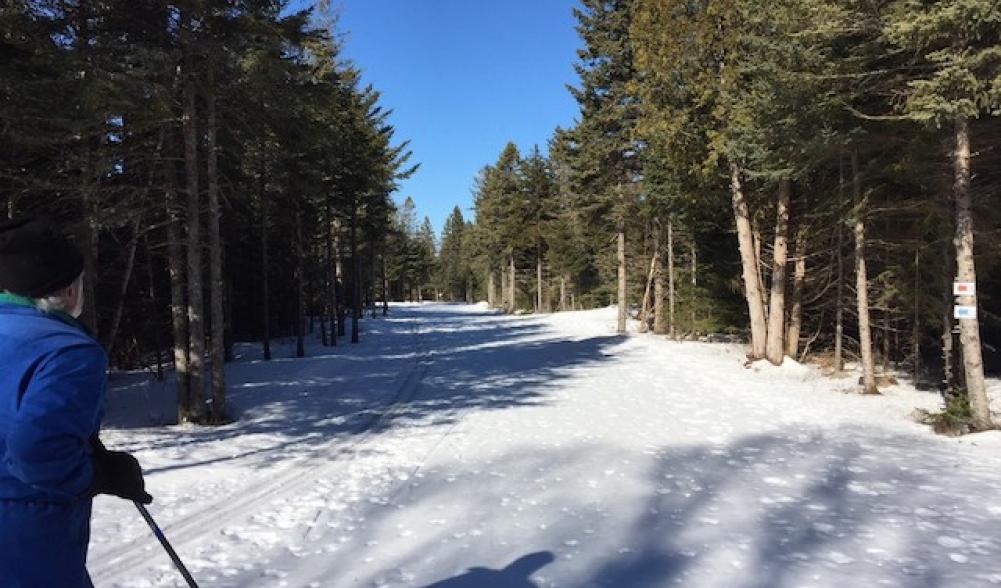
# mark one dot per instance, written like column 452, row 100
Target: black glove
column 117, row 473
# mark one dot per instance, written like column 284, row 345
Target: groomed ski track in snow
column 457, row 448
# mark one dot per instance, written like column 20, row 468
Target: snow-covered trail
column 456, row 449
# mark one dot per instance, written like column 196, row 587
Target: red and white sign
column 964, row 288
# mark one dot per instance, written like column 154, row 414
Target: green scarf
column 14, row 299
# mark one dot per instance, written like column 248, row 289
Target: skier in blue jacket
column 52, row 385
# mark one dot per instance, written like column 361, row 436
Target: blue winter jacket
column 52, row 387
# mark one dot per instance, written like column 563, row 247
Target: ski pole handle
column 166, row 545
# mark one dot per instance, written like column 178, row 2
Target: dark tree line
column 223, row 168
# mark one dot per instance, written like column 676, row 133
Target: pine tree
column 605, row 147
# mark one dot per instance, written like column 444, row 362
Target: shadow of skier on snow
column 515, row 575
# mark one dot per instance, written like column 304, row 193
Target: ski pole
column 166, row 545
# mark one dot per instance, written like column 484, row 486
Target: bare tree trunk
column 775, row 349
column 370, row 291
column 216, row 280
column 695, row 283
column 623, row 298
column 862, row 286
column 178, row 304
column 196, row 302
column 563, row 293
column 799, row 280
column 300, row 286
column 356, row 289
column 504, row 290
column 491, row 289
column 385, row 288
column 672, row 323
column 916, row 323
column 90, row 235
column 969, row 328
column 949, row 380
column 760, row 264
column 839, row 322
column 133, row 247
column 749, row 263
column 330, row 270
column 886, row 340
column 90, row 246
column 660, row 322
column 647, row 290
column 513, row 284
column 265, row 265
column 153, row 308
column 538, row 282
column 340, row 284
column 123, row 290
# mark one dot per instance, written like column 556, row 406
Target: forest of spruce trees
column 220, row 164
column 810, row 176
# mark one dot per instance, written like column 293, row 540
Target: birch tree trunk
column 775, row 349
column 862, row 286
column 798, row 282
column 969, row 328
column 216, row 279
column 623, row 301
column 749, row 264
column 196, row 301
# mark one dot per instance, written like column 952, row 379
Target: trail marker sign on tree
column 964, row 288
column 964, row 312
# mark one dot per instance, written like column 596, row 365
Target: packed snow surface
column 456, row 448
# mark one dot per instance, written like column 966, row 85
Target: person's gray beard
column 77, row 310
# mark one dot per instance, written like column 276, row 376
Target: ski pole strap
column 166, row 545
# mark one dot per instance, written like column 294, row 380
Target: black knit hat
column 36, row 260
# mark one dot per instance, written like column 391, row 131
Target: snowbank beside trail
column 457, row 448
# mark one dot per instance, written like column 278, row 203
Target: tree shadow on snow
column 465, row 361
column 784, row 510
column 847, row 506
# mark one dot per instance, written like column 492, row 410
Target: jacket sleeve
column 48, row 446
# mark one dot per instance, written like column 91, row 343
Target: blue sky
column 463, row 78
